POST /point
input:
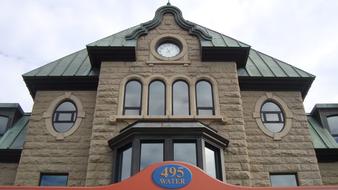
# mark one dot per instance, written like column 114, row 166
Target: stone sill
column 186, row 63
column 133, row 118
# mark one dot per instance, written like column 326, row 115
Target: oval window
column 272, row 117
column 64, row 116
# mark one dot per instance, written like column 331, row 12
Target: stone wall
column 294, row 153
column 329, row 172
column 7, row 173
column 109, row 99
column 44, row 153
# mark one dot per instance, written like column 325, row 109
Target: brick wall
column 7, row 173
column 329, row 172
column 293, row 153
column 43, row 153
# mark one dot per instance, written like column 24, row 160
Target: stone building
column 168, row 89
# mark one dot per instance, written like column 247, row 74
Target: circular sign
column 172, row 176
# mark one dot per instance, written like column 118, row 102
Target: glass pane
column 333, row 124
column 132, row 112
column 278, row 180
column 63, row 127
column 66, row 106
column 210, row 162
column 125, row 164
column 185, row 152
column 157, row 98
column 204, row 94
column 3, row 124
column 65, row 117
column 270, row 106
column 151, row 153
column 180, row 98
column 274, row 127
column 205, row 112
column 53, row 180
column 133, row 94
column 272, row 117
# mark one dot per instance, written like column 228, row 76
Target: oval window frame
column 173, row 38
column 49, row 114
column 269, row 97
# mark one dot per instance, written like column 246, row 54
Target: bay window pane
column 185, row 152
column 151, row 153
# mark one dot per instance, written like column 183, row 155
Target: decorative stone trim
column 287, row 116
column 168, row 84
column 48, row 115
column 180, row 59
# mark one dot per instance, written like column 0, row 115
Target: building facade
column 170, row 89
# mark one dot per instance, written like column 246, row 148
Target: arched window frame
column 172, row 96
column 212, row 98
column 165, row 96
column 141, row 97
column 283, row 106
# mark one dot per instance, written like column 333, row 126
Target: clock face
column 168, row 49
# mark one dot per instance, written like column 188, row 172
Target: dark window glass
column 151, row 153
column 3, row 124
column 332, row 121
column 181, row 98
column 64, row 116
column 125, row 163
column 278, row 180
column 185, row 152
column 272, row 117
column 204, row 98
column 156, row 100
column 53, row 179
column 132, row 98
column 210, row 161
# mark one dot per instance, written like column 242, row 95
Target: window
column 204, row 98
column 151, row 152
column 124, row 157
column 150, row 142
column 180, row 97
column 272, row 117
column 3, row 124
column 212, row 161
column 332, row 122
column 132, row 98
column 185, row 152
column 156, row 98
column 278, row 180
column 53, row 179
column 64, row 116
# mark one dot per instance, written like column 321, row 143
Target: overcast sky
column 303, row 33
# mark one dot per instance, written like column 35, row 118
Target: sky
column 303, row 33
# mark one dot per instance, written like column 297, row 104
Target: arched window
column 272, row 117
column 180, row 98
column 64, row 116
column 132, row 98
column 3, row 124
column 332, row 122
column 204, row 98
column 156, row 98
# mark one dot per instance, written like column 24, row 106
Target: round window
column 168, row 48
column 64, row 116
column 272, row 117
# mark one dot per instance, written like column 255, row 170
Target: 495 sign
column 172, row 176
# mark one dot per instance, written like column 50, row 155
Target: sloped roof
column 253, row 66
column 320, row 136
column 15, row 136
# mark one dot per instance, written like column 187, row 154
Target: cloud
column 300, row 32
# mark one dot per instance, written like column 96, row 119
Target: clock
column 168, row 49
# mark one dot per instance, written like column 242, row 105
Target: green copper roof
column 258, row 64
column 320, row 136
column 15, row 136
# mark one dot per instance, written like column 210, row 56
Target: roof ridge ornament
column 187, row 25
